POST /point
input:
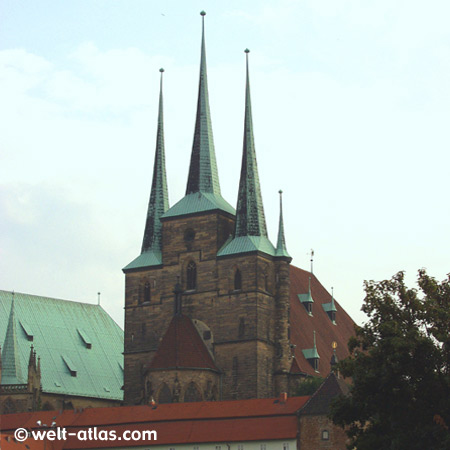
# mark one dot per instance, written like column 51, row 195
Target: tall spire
column 250, row 220
column 159, row 199
column 250, row 229
column 281, row 243
column 203, row 176
column 11, row 368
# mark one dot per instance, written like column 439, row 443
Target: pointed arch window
column 237, row 280
column 191, row 276
column 165, row 396
column 192, row 393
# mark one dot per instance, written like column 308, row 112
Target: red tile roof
column 303, row 325
column 239, row 420
column 182, row 347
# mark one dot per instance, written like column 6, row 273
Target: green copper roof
column 158, row 203
column 57, row 338
column 306, row 298
column 281, row 243
column 146, row 259
column 247, row 244
column 329, row 307
column 11, row 363
column 250, row 220
column 203, row 175
column 311, row 353
column 199, row 202
column 250, row 231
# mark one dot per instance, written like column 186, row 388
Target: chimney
column 283, row 397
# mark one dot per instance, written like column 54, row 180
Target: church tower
column 208, row 300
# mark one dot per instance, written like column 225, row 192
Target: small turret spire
column 203, row 176
column 281, row 243
column 11, row 367
column 250, row 219
column 159, row 197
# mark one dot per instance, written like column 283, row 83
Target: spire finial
column 203, row 13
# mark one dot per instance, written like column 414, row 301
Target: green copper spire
column 250, row 220
column 159, row 200
column 250, row 230
column 203, row 176
column 281, row 243
column 11, row 369
column 203, row 189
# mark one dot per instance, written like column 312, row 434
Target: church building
column 214, row 310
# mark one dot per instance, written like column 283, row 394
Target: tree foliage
column 309, row 386
column 399, row 364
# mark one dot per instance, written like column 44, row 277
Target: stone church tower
column 207, row 302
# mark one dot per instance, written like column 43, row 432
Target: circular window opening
column 189, row 235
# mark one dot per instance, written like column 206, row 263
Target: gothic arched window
column 192, row 393
column 165, row 396
column 237, row 280
column 191, row 276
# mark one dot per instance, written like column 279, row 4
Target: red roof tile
column 239, row 420
column 182, row 347
column 303, row 325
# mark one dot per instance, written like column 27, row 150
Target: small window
column 189, row 235
column 286, row 446
column 191, row 276
column 237, row 280
column 70, row 365
column 147, row 292
column 218, row 447
column 240, row 447
column 263, row 447
column 325, row 435
column 196, row 447
column 241, row 332
column 206, row 335
column 143, row 329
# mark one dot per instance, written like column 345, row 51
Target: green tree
column 309, row 386
column 399, row 364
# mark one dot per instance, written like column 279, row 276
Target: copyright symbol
column 21, row 434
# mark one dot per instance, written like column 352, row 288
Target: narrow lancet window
column 191, row 276
column 237, row 280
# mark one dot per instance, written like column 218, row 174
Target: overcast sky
column 351, row 111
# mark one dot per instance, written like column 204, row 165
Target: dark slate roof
column 319, row 403
column 182, row 347
column 59, row 330
column 304, row 325
column 158, row 203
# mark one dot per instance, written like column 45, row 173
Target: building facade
column 214, row 310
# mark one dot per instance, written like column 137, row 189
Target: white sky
column 351, row 109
